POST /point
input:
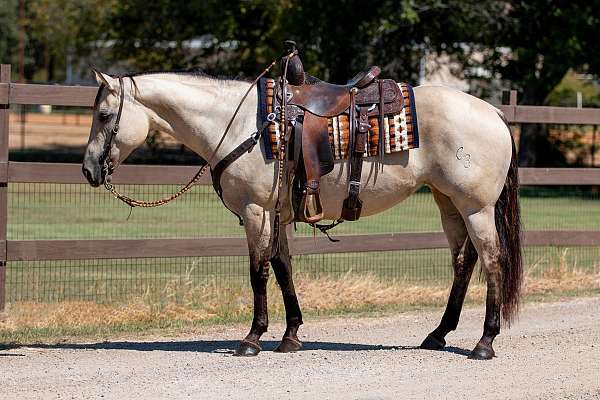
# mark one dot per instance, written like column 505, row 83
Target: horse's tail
column 508, row 226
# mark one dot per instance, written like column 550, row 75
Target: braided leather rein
column 155, row 203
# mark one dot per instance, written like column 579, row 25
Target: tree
column 66, row 30
column 543, row 40
column 8, row 31
column 54, row 30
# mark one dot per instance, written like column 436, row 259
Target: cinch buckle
column 355, row 184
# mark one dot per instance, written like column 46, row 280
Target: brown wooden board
column 562, row 238
column 158, row 174
column 35, row 250
column 4, row 93
column 125, row 174
column 559, row 176
column 2, row 287
column 365, row 243
column 551, row 115
column 31, row 250
column 4, row 129
column 82, row 96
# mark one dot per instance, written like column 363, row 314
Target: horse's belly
column 380, row 189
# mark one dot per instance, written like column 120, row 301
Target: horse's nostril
column 88, row 175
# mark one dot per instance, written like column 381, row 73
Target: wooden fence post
column 509, row 97
column 4, row 125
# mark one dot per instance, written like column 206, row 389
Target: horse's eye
column 104, row 116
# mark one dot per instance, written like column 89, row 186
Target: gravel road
column 552, row 352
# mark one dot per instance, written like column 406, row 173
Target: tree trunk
column 532, row 144
column 533, row 141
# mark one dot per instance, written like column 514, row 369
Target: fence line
column 41, row 250
column 4, row 126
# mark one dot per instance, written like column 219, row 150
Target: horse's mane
column 191, row 73
column 188, row 73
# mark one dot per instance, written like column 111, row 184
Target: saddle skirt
column 401, row 130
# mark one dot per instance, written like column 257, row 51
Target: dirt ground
column 552, row 352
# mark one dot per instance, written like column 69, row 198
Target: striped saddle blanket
column 401, row 130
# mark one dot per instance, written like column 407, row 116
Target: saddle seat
column 327, row 99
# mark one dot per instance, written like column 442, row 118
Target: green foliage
column 565, row 93
column 8, row 30
column 542, row 39
column 229, row 36
column 53, row 30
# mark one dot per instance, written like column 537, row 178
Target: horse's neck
column 196, row 112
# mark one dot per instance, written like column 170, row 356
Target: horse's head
column 119, row 126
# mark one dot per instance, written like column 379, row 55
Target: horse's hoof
column 482, row 352
column 247, row 349
column 288, row 345
column 432, row 343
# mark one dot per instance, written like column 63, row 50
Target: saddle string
column 155, row 203
column 282, row 154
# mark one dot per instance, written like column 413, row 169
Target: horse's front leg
column 258, row 224
column 282, row 266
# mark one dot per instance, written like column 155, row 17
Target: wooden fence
column 35, row 250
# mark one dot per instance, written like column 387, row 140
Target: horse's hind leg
column 482, row 230
column 464, row 258
column 282, row 266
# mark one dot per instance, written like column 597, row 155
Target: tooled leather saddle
column 309, row 102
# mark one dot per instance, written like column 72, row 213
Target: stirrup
column 311, row 200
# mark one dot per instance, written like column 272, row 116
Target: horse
column 477, row 198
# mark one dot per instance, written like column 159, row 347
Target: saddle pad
column 401, row 130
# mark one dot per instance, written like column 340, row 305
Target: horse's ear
column 104, row 79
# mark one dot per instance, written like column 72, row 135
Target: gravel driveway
column 552, row 352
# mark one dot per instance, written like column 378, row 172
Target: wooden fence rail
column 34, row 250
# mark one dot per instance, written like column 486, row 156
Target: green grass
column 52, row 211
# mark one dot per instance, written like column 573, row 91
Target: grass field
column 51, row 211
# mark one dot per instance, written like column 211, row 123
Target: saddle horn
column 295, row 69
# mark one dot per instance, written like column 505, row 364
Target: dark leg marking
column 491, row 327
column 282, row 266
column 259, row 275
column 464, row 261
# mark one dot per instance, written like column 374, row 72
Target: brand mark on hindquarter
column 464, row 157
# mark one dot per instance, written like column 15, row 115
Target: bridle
column 108, row 167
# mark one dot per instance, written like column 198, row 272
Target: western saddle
column 307, row 103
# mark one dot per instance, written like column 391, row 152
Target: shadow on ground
column 225, row 346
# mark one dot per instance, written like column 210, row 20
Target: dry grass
column 351, row 292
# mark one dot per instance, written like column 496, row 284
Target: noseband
column 107, row 165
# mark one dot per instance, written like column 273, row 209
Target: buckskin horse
column 466, row 156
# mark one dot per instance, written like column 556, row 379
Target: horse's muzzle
column 95, row 174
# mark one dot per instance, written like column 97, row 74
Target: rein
column 155, row 203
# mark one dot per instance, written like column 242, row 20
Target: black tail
column 508, row 225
